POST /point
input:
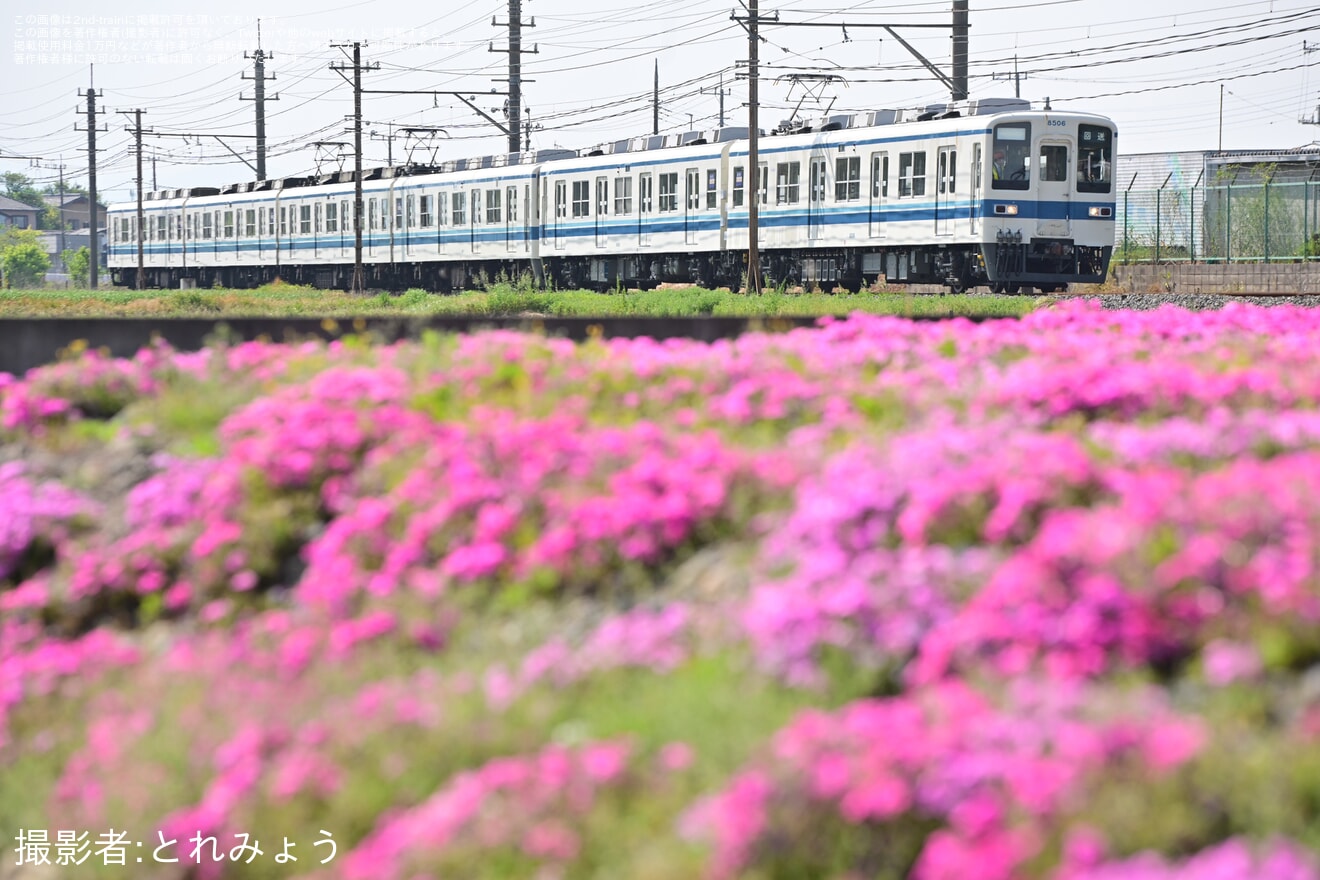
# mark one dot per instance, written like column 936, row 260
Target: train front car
column 1048, row 202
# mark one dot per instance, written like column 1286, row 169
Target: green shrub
column 25, row 265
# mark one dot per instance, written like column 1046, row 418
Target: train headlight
column 1006, row 210
column 1101, row 212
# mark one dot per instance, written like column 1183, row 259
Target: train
column 978, row 193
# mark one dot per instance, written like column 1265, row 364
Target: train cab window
column 581, row 198
column 623, row 202
column 1095, row 159
column 712, row 192
column 787, row 182
column 1011, row 156
column 460, row 208
column 669, row 192
column 911, row 175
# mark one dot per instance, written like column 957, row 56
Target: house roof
column 10, row 206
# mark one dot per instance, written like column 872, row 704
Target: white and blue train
column 981, row 193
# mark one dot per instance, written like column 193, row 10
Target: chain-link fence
column 1257, row 221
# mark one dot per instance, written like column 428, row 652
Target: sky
column 1195, row 76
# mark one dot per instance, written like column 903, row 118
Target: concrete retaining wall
column 1297, row 278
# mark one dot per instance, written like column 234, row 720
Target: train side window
column 305, row 219
column 331, row 217
column 398, row 212
column 581, row 198
column 460, row 208
column 911, row 174
column 948, row 170
column 669, row 192
column 739, row 192
column 879, row 175
column 847, row 178
column 250, row 222
column 206, row 226
column 229, row 224
column 623, row 202
column 787, row 183
column 712, row 190
column 424, row 207
column 493, row 211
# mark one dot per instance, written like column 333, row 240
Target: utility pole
column 92, row 220
column 1016, row 76
column 721, row 92
column 358, row 285
column 655, row 101
column 752, row 182
column 515, row 80
column 960, row 26
column 136, row 129
column 259, row 78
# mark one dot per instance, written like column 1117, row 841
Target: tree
column 20, row 188
column 79, row 264
column 25, row 265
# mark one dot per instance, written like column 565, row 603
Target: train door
column 602, row 209
column 645, row 208
column 816, row 201
column 528, row 205
column 693, row 205
column 977, row 182
column 946, row 170
column 561, row 213
column 879, row 193
column 474, row 218
column 1053, row 190
column 511, row 218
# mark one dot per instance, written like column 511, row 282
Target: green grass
column 499, row 299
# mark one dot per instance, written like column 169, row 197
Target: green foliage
column 25, row 265
column 19, row 187
column 79, row 264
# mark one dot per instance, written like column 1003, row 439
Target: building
column 16, row 213
column 76, row 211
